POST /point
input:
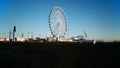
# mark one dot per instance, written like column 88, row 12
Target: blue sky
column 99, row 18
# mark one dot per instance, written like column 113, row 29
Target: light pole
column 14, row 30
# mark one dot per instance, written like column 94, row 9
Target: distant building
column 22, row 39
column 2, row 39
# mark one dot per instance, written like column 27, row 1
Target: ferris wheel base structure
column 56, row 39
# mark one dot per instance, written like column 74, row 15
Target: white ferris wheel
column 58, row 24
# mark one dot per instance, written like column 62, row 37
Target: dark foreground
column 59, row 55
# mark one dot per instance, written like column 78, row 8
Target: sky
column 100, row 19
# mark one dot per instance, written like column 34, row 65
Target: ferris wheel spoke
column 55, row 30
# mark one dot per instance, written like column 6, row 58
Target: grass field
column 59, row 55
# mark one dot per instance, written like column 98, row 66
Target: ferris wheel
column 58, row 24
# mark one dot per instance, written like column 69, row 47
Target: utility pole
column 3, row 34
column 22, row 35
column 31, row 35
column 10, row 33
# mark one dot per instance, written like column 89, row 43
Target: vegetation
column 59, row 55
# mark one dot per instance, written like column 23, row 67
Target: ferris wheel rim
column 65, row 20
